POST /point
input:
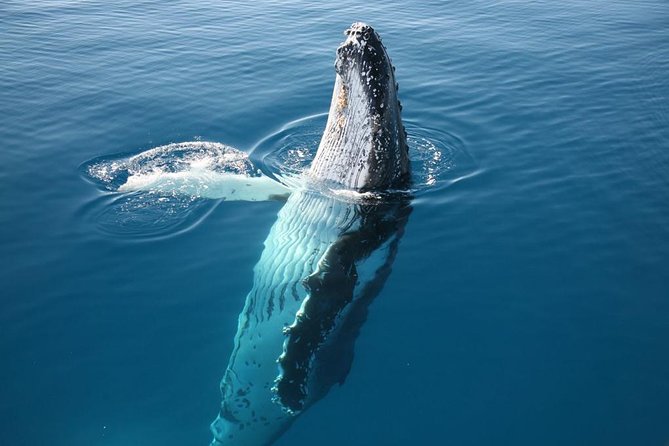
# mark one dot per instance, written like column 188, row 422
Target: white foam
column 355, row 196
column 196, row 169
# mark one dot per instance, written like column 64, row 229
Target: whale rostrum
column 325, row 258
column 364, row 146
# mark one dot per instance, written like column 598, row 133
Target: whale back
column 364, row 145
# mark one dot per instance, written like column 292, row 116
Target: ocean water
column 529, row 300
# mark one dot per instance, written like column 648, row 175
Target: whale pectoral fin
column 243, row 188
column 210, row 184
column 330, row 291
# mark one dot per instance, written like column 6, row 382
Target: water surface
column 529, row 300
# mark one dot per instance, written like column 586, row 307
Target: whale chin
column 364, row 145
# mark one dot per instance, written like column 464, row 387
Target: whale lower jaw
column 362, row 149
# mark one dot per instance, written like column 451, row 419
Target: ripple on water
column 162, row 191
column 170, row 189
column 145, row 216
column 286, row 153
column 438, row 158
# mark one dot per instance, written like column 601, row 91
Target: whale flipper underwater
column 325, row 259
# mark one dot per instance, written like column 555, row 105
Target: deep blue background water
column 529, row 302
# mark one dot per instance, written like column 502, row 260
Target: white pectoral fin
column 243, row 188
column 204, row 183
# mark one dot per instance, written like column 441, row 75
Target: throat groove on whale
column 331, row 289
column 324, row 262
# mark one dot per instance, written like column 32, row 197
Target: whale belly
column 306, row 226
column 323, row 262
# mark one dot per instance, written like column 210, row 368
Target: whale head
column 364, row 145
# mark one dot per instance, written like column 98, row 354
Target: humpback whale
column 325, row 258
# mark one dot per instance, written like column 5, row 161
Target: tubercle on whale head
column 357, row 37
column 364, row 55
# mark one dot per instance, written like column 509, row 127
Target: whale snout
column 357, row 37
column 362, row 44
column 359, row 31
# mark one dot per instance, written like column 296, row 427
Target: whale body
column 323, row 263
column 325, row 258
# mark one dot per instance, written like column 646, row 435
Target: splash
column 188, row 168
column 438, row 158
column 169, row 189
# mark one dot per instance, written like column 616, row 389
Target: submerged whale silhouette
column 325, row 258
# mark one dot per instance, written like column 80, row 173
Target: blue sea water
column 529, row 300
